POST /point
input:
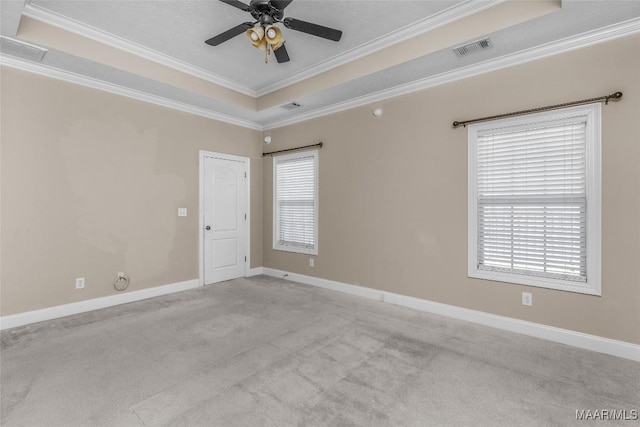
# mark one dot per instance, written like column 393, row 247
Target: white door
column 224, row 219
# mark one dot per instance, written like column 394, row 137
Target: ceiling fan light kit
column 264, row 34
column 266, row 39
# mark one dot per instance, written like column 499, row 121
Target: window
column 295, row 202
column 534, row 200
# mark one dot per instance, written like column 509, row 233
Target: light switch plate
column 182, row 211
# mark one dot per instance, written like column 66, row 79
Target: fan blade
column 281, row 54
column 313, row 29
column 280, row 4
column 236, row 3
column 229, row 34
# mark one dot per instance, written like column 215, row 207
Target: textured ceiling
column 177, row 30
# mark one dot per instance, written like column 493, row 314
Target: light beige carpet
column 267, row 352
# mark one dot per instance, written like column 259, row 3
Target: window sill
column 294, row 249
column 539, row 282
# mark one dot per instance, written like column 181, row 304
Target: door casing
column 202, row 155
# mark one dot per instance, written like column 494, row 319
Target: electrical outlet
column 312, row 262
column 527, row 299
column 182, row 211
column 80, row 283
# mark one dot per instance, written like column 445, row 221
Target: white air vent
column 291, row 106
column 473, row 47
column 22, row 49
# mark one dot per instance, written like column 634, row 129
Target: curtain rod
column 606, row 98
column 319, row 144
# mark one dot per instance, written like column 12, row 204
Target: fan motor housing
column 263, row 11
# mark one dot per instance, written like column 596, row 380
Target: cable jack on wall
column 121, row 282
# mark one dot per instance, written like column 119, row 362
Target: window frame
column 276, row 228
column 593, row 116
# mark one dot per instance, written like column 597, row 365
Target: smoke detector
column 473, row 47
column 22, row 49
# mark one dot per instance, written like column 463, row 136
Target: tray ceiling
column 157, row 48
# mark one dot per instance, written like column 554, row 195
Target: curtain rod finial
column 616, row 95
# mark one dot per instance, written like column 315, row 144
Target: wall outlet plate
column 80, row 283
column 527, row 299
column 312, row 262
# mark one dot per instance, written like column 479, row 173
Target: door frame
column 247, row 224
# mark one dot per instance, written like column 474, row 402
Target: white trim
column 28, row 317
column 579, row 41
column 586, row 39
column 71, row 77
column 255, row 271
column 430, row 23
column 247, row 161
column 247, row 264
column 564, row 336
column 49, row 17
column 591, row 114
column 201, row 157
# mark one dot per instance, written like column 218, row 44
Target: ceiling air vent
column 473, row 47
column 22, row 49
column 291, row 106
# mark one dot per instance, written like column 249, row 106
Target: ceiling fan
column 264, row 34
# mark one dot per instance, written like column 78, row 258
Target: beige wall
column 91, row 183
column 393, row 191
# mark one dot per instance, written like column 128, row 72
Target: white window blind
column 295, row 202
column 534, row 200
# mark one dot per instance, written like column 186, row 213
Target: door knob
column 207, row 228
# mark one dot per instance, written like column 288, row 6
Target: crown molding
column 432, row 22
column 429, row 23
column 71, row 77
column 68, row 24
column 579, row 41
column 571, row 43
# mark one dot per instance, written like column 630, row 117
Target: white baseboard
column 255, row 271
column 576, row 339
column 20, row 319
